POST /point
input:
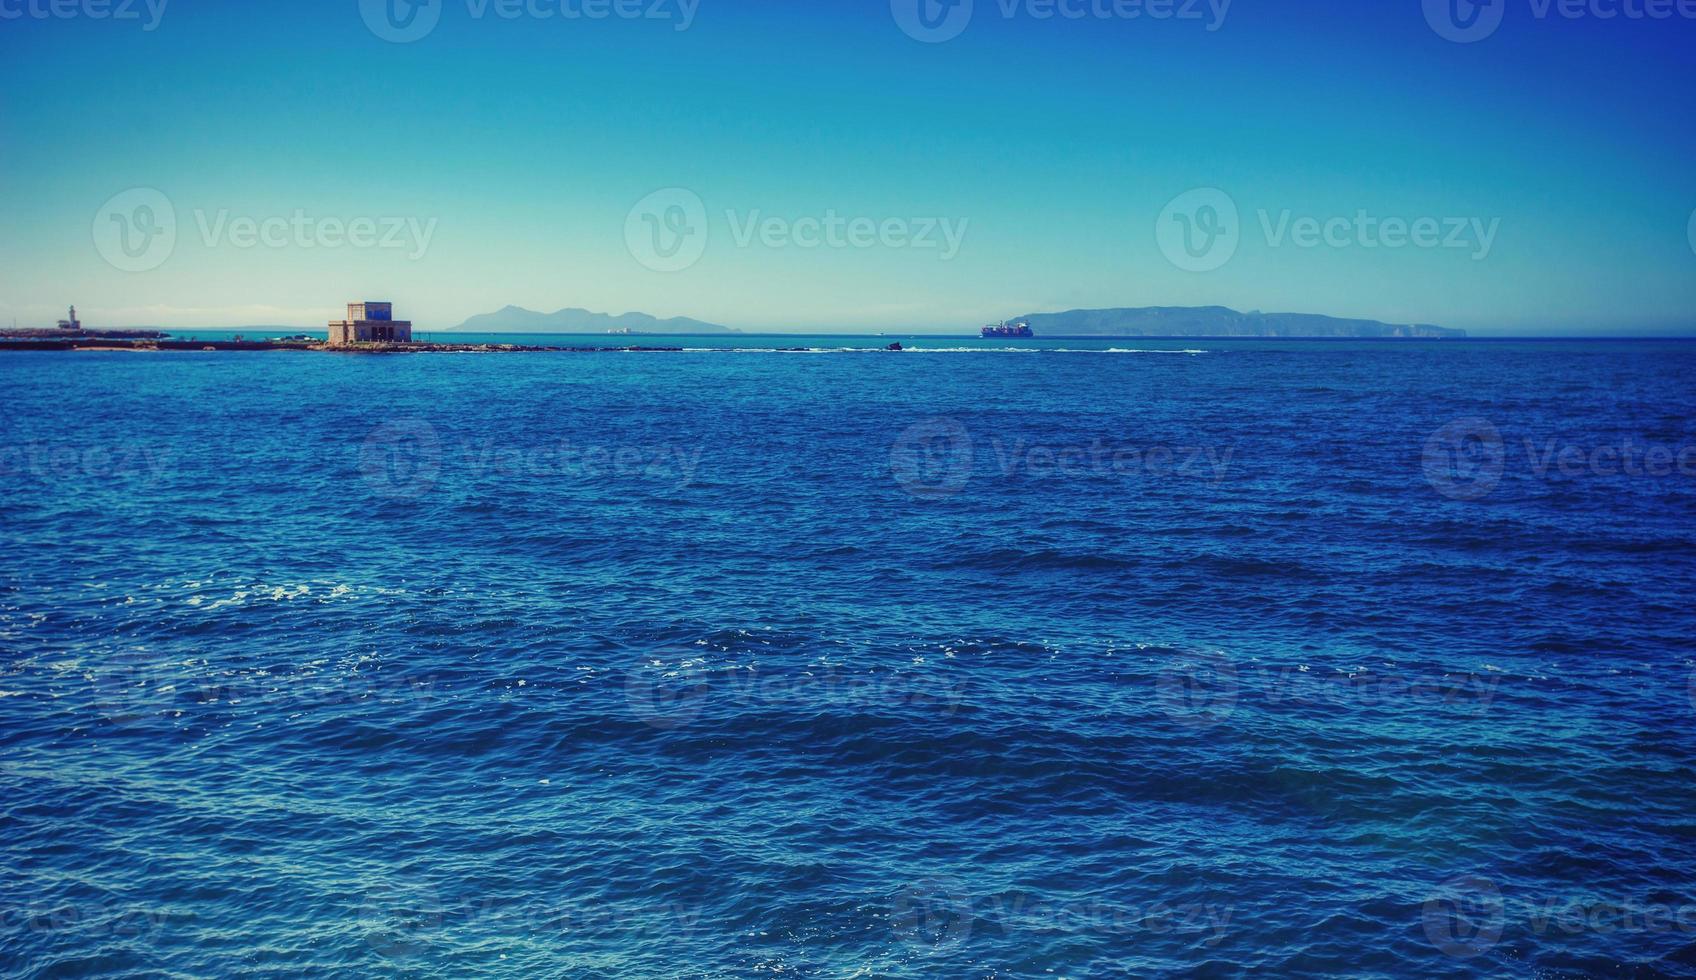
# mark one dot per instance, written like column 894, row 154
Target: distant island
column 516, row 319
column 1218, row 321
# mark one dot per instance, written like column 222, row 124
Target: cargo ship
column 996, row 331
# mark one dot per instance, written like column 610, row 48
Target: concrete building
column 73, row 323
column 370, row 323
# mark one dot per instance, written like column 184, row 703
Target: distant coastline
column 518, row 320
column 1142, row 322
column 1219, row 322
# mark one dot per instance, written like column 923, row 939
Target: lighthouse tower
column 73, row 323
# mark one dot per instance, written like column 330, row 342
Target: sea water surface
column 1194, row 659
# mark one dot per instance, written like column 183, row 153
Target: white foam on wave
column 243, row 594
column 973, row 350
column 1046, row 350
column 934, row 350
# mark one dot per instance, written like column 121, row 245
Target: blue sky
column 1024, row 165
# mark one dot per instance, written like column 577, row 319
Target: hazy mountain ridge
column 517, row 319
column 1219, row 321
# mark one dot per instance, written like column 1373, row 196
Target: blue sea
column 1049, row 659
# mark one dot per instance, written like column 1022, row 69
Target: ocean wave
column 936, row 350
column 980, row 713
